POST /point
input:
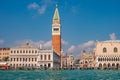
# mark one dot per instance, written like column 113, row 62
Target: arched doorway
column 113, row 65
column 49, row 65
column 104, row 66
column 100, row 65
column 41, row 66
column 45, row 66
column 117, row 65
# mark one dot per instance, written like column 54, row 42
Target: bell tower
column 56, row 32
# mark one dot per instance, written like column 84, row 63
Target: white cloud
column 87, row 44
column 112, row 36
column 45, row 44
column 71, row 49
column 33, row 5
column 77, row 49
column 64, row 43
column 38, row 7
column 42, row 9
column 1, row 41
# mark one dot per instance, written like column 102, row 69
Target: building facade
column 30, row 57
column 68, row 61
column 4, row 54
column 23, row 57
column 108, row 54
column 48, row 59
column 87, row 61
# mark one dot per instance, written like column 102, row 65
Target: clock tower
column 56, row 32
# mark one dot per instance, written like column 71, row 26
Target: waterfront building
column 87, row 61
column 68, row 61
column 4, row 54
column 23, row 57
column 108, row 54
column 48, row 59
column 31, row 57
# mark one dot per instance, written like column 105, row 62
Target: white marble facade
column 31, row 57
column 108, row 54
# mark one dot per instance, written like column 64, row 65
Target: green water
column 60, row 75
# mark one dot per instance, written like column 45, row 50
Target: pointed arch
column 115, row 50
column 104, row 50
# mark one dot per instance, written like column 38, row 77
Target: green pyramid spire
column 56, row 14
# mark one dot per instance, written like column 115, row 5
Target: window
column 32, row 59
column 35, row 59
column 29, row 59
column 29, row 51
column 11, row 51
column 17, row 59
column 21, row 51
column 35, row 51
column 41, row 57
column 14, row 51
column 14, row 59
column 104, row 50
column 49, row 57
column 11, row 59
column 26, row 59
column 23, row 59
column 45, row 57
column 20, row 59
column 115, row 50
column 56, row 29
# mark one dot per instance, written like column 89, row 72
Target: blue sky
column 83, row 22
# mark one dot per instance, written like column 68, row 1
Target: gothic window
column 115, row 50
column 104, row 50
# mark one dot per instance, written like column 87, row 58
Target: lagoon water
column 60, row 75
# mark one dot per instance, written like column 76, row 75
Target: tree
column 5, row 58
